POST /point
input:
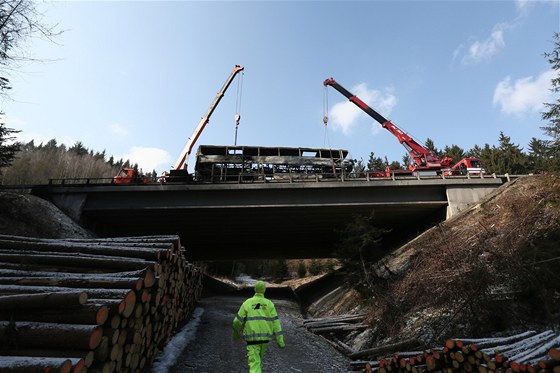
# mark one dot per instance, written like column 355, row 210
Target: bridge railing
column 287, row 177
column 83, row 181
column 251, row 178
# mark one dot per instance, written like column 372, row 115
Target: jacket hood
column 260, row 287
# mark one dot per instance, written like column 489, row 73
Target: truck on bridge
column 131, row 175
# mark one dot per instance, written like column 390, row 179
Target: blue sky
column 133, row 78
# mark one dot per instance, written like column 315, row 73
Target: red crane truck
column 424, row 161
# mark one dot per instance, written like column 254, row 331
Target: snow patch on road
column 168, row 357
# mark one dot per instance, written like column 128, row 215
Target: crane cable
column 238, row 105
column 325, row 122
column 325, row 115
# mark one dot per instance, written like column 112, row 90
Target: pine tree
column 359, row 167
column 476, row 152
column 455, row 152
column 489, row 156
column 78, row 148
column 538, row 157
column 430, row 145
column 512, row 159
column 406, row 160
column 8, row 148
column 375, row 163
column 358, row 250
column 553, row 113
column 51, row 144
column 395, row 165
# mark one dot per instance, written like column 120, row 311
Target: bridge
column 266, row 220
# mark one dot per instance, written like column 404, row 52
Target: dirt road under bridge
column 213, row 349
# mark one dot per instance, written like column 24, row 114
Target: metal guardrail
column 82, row 181
column 330, row 177
column 250, row 178
column 95, row 181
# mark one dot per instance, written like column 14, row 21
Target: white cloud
column 119, row 130
column 457, row 51
column 148, row 159
column 345, row 115
column 522, row 5
column 479, row 51
column 525, row 94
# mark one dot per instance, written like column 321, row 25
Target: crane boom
column 181, row 162
column 422, row 158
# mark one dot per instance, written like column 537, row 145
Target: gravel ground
column 213, row 349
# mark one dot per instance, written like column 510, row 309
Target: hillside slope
column 30, row 216
column 493, row 269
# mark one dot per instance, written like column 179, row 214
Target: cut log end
column 102, row 315
column 66, row 367
column 79, row 366
column 82, row 298
column 149, row 278
column 554, row 354
column 95, row 338
column 127, row 305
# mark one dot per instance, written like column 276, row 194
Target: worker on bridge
column 258, row 321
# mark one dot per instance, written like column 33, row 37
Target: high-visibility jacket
column 258, row 320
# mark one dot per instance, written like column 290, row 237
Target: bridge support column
column 71, row 204
column 461, row 197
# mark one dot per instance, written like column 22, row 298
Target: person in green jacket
column 258, row 321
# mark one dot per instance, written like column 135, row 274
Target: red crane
column 422, row 158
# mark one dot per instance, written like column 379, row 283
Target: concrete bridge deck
column 266, row 220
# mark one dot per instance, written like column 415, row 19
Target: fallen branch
column 376, row 351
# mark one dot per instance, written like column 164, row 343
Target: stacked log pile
column 331, row 328
column 528, row 352
column 95, row 305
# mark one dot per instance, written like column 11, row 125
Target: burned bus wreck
column 216, row 163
